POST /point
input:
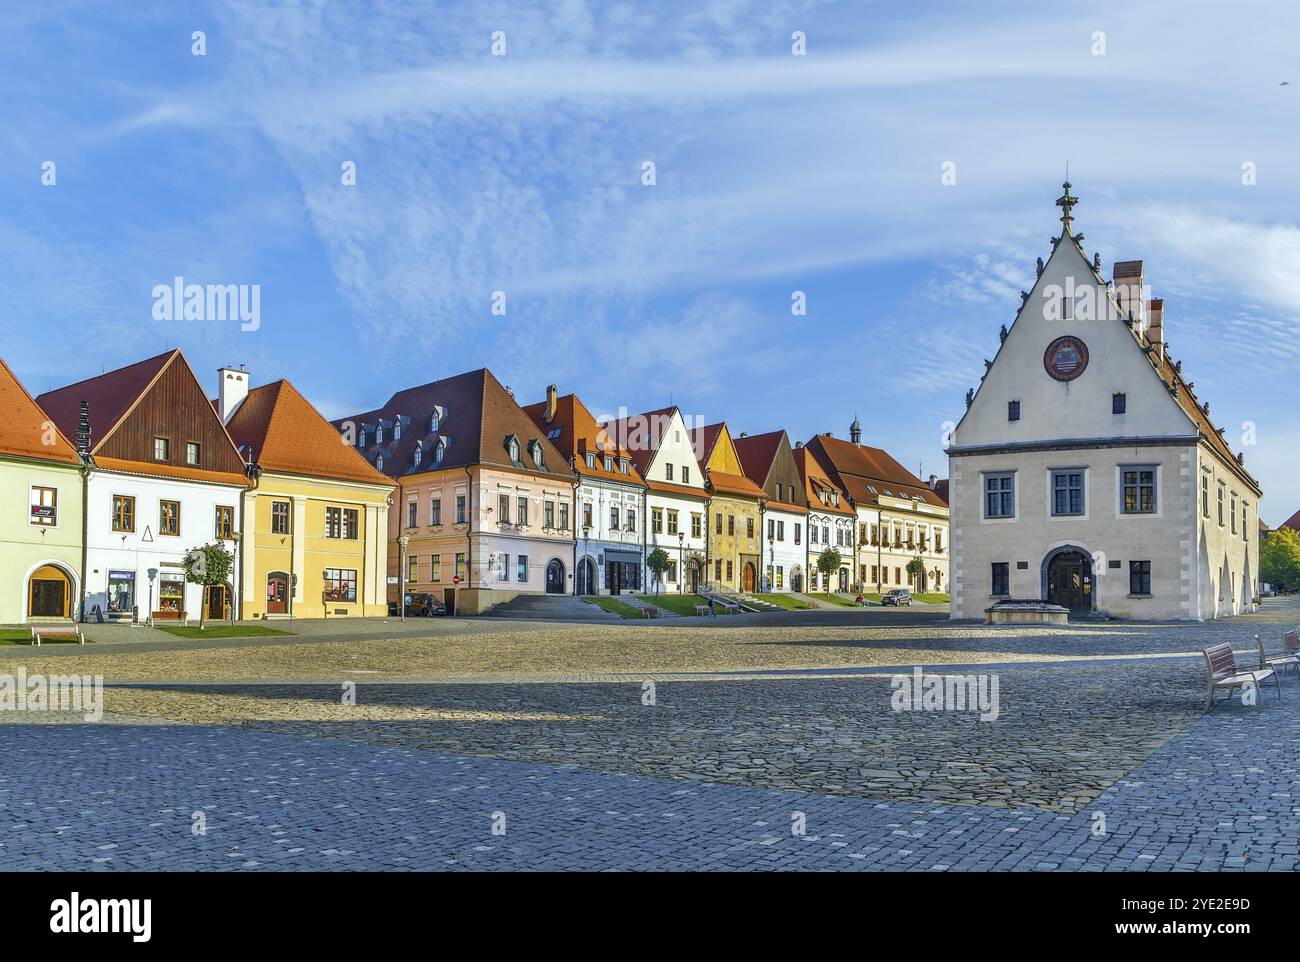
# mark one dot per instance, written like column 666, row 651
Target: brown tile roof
column 23, row 429
column 110, row 396
column 623, row 430
column 1292, row 522
column 756, row 453
column 480, row 414
column 578, row 434
column 816, row 481
column 738, row 484
column 941, row 489
column 858, row 468
column 279, row 430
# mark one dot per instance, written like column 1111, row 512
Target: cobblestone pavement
column 1097, row 765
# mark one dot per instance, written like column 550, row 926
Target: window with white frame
column 1000, row 495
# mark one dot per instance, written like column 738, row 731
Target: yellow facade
column 735, row 527
column 313, row 548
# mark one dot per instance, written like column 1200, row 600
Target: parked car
column 420, row 605
column 896, row 597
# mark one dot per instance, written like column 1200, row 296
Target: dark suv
column 896, row 597
column 421, row 605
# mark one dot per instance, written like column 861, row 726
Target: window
column 1222, row 488
column 439, row 450
column 501, row 564
column 730, row 570
column 513, row 448
column 171, row 592
column 657, row 520
column 379, row 433
column 460, row 509
column 717, row 523
column 622, row 465
column 1118, row 403
column 672, row 521
column 503, row 508
column 548, row 515
column 192, row 452
column 686, row 474
column 225, row 523
column 671, row 573
column 412, row 514
column 279, row 517
column 169, row 518
column 397, row 428
column 812, row 534
column 435, row 567
column 564, row 516
column 160, row 449
column 717, row 569
column 697, row 525
column 591, row 460
column 1244, row 535
column 333, row 522
column 668, row 471
column 1139, row 577
column 1205, row 495
column 613, row 517
column 521, row 567
column 459, row 570
column 341, row 584
column 999, row 496
column 412, row 568
column 631, row 519
column 521, row 510
column 45, row 506
column 749, row 527
column 1138, row 489
column 417, row 455
column 731, row 524
column 1067, row 492
column 123, row 512
column 435, row 511
column 609, row 463
column 586, row 515
column 1232, row 513
column 433, row 422
column 1001, row 578
column 798, row 531
column 351, row 519
column 1013, row 410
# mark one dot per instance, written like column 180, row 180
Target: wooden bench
column 1288, row 657
column 181, row 618
column 703, row 610
column 1222, row 671
column 730, row 607
column 51, row 632
column 651, row 611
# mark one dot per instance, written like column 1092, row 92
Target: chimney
column 83, row 429
column 1156, row 325
column 1127, row 276
column 550, row 403
column 232, row 388
column 934, row 482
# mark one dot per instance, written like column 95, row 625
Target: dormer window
column 379, row 462
column 512, row 448
column 535, row 448
column 609, row 463
column 440, row 450
column 417, row 456
column 397, row 430
column 379, row 434
column 433, row 423
column 591, row 461
column 622, row 465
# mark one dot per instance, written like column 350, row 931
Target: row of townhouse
column 450, row 488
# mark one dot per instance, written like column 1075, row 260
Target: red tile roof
column 816, row 482
column 1292, row 522
column 639, row 433
column 110, row 396
column 578, row 434
column 858, row 468
column 279, row 430
column 25, row 428
column 757, row 452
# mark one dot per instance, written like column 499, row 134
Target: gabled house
column 484, row 506
column 610, row 527
column 41, row 527
column 659, row 443
column 899, row 517
column 1086, row 470
column 735, row 513
column 831, row 518
column 768, row 461
column 164, row 477
column 315, row 522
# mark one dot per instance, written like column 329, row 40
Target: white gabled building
column 1085, row 470
column 659, row 443
column 768, row 461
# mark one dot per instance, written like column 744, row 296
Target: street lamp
column 403, row 542
column 234, row 575
column 586, row 553
column 681, row 559
column 771, row 568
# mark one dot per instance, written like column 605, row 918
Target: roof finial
column 1066, row 202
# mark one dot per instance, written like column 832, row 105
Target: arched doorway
column 693, row 576
column 277, row 593
column 587, row 577
column 844, row 579
column 49, row 593
column 555, row 577
column 938, row 581
column 1067, row 574
column 796, row 579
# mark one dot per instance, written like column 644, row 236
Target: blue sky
column 775, row 173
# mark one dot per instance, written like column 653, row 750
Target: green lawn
column 832, row 598
column 221, row 631
column 614, row 605
column 784, row 601
column 677, row 604
column 22, row 636
column 933, row 599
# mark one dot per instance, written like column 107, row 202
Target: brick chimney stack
column 550, row 403
column 1127, row 276
column 1156, row 325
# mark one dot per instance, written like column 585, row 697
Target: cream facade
column 40, row 540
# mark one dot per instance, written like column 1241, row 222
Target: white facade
column 785, row 550
column 1104, row 465
column 827, row 530
column 674, row 521
column 894, row 533
column 610, row 532
column 119, row 562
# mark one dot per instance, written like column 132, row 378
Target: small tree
column 828, row 562
column 208, row 566
column 916, row 568
column 657, row 561
column 1279, row 559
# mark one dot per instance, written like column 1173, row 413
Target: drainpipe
column 469, row 533
column 85, row 523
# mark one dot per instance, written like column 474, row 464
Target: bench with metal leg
column 1222, row 671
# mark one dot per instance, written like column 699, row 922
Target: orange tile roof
column 24, row 427
column 858, row 468
column 578, row 434
column 279, row 430
column 725, row 483
column 666, row 488
column 816, row 481
column 172, row 471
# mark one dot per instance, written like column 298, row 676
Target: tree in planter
column 1279, row 559
column 828, row 562
column 207, row 566
column 657, row 561
column 916, row 568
